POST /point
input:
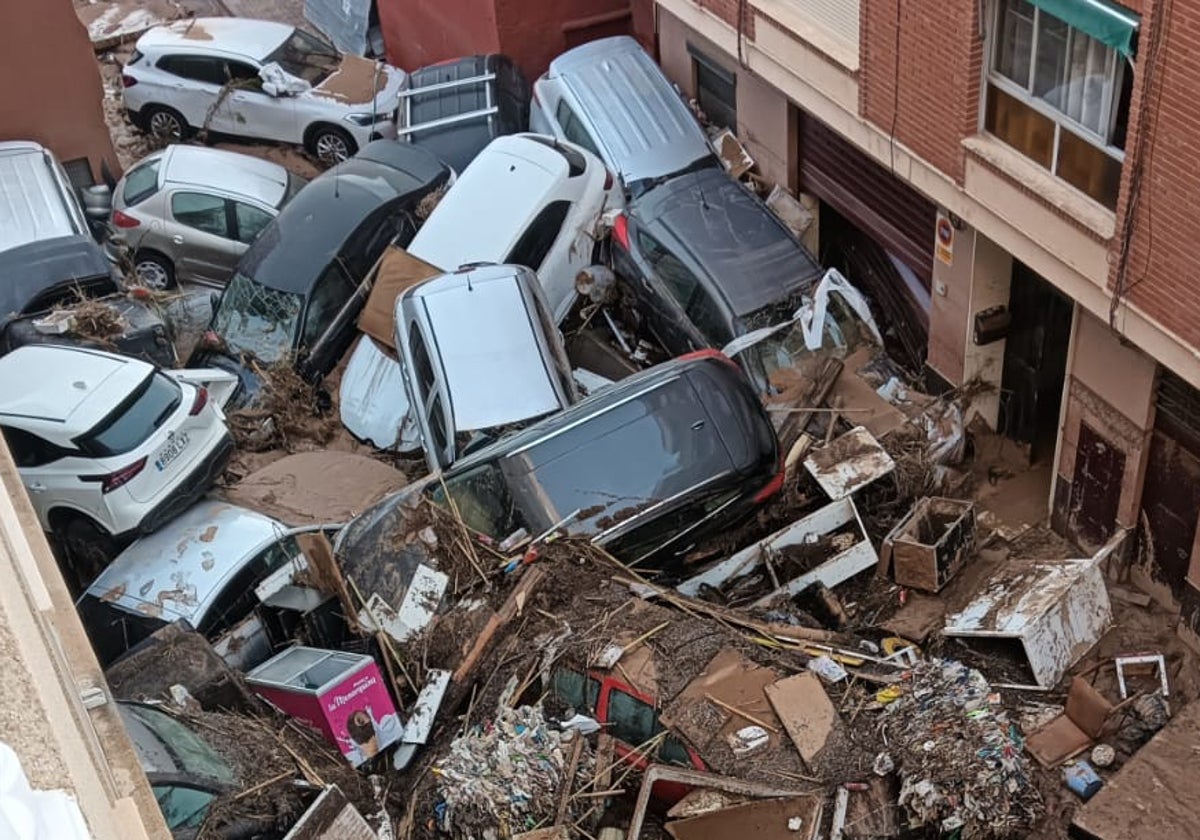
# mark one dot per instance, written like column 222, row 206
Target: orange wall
column 52, row 91
column 532, row 32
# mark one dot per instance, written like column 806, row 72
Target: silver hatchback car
column 188, row 213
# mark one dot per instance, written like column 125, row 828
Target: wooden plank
column 807, row 713
column 520, row 594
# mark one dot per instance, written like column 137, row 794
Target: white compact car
column 284, row 84
column 109, row 446
column 526, row 199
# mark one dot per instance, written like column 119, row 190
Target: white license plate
column 175, row 445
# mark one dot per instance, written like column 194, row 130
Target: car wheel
column 154, row 271
column 164, row 124
column 89, row 547
column 330, row 144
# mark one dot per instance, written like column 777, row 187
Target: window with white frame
column 1059, row 96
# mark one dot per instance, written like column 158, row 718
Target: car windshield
column 170, row 747
column 256, row 320
column 306, row 57
column 483, row 500
column 135, row 419
column 785, row 348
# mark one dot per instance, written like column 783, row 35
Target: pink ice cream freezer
column 340, row 694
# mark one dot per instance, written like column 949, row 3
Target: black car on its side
column 456, row 107
column 707, row 261
column 647, row 468
column 298, row 289
column 59, row 273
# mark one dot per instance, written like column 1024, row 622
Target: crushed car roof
column 178, row 571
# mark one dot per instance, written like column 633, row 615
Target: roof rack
column 407, row 96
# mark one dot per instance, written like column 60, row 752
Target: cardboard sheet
column 735, row 681
column 807, row 713
column 764, row 820
column 398, row 271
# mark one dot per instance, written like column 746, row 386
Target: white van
column 609, row 97
column 37, row 201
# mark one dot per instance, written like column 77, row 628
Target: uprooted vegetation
column 287, row 410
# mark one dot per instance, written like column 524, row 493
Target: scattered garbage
column 505, row 775
column 961, row 760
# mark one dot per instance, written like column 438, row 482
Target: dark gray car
column 708, row 261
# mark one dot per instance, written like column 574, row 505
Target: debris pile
column 504, row 776
column 286, row 412
column 961, row 760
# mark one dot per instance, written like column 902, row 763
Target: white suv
column 107, row 446
column 282, row 83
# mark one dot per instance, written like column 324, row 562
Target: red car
column 631, row 717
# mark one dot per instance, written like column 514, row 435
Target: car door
column 248, row 110
column 52, row 475
column 667, row 290
column 195, row 85
column 202, row 236
column 327, row 328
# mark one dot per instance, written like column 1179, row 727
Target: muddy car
column 215, row 565
column 707, row 261
column 697, row 454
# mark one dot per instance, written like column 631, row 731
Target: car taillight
column 199, row 403
column 121, row 477
column 124, row 220
column 127, row 80
column 620, row 231
column 773, row 486
column 608, row 180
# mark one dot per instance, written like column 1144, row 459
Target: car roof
column 178, row 571
column 228, row 172
column 459, row 143
column 65, row 390
column 32, row 201
column 747, row 252
column 497, row 196
column 313, row 227
column 254, row 39
column 643, row 125
column 484, row 337
column 30, row 270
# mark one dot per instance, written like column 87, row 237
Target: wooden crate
column 929, row 545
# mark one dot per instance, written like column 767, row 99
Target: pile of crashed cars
column 673, row 490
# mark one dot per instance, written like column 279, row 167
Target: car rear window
column 135, row 419
column 141, row 182
column 537, row 240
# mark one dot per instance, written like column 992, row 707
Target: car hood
column 351, row 86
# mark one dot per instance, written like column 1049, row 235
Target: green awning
column 1107, row 22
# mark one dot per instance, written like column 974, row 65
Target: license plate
column 175, row 445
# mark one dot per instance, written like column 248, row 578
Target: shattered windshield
column 843, row 331
column 258, row 321
column 306, row 57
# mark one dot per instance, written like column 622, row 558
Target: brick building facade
column 1030, row 155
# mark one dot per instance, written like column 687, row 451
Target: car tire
column 153, row 270
column 164, row 124
column 330, row 145
column 89, row 547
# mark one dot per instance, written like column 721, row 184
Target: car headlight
column 368, row 119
